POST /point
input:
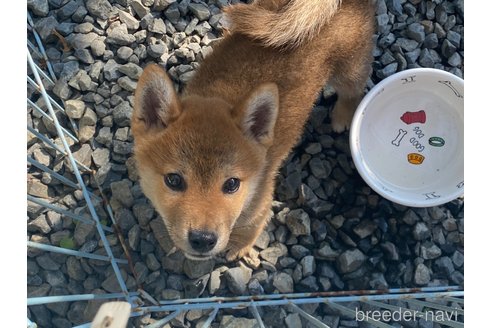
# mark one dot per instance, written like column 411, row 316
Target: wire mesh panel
column 86, row 246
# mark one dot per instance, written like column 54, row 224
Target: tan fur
column 281, row 23
column 239, row 117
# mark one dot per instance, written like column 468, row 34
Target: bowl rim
column 368, row 175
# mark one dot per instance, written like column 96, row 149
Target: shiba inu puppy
column 208, row 158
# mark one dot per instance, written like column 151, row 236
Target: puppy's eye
column 231, row 185
column 175, row 182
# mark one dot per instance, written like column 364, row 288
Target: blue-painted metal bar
column 78, row 176
column 66, row 251
column 73, row 298
column 436, row 306
column 40, row 111
column 317, row 294
column 40, row 45
column 46, row 169
column 308, row 317
column 455, row 299
column 64, row 212
column 210, row 318
column 54, row 146
column 305, row 300
column 254, row 310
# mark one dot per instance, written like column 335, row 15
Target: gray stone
column 100, row 156
column 156, row 50
column 152, row 262
column 39, row 224
column 421, row 231
column 283, row 282
column 308, row 265
column 125, row 219
column 81, row 40
column 122, row 147
column 200, row 11
column 75, row 270
column 89, row 118
column 365, row 228
column 99, row 8
column 157, row 26
column 131, row 70
column 38, row 7
column 139, row 8
column 237, row 279
column 325, row 252
column 98, row 47
column 47, row 263
column 111, row 70
column 128, row 84
column 122, row 114
column 229, row 321
column 458, row 259
column 444, row 265
column 416, row 32
column 430, row 251
column 422, row 275
column 195, row 269
column 131, row 22
column 293, row 320
column 118, row 35
column 83, row 232
column 134, row 237
column 390, row 251
column 350, row 260
column 298, row 222
column 45, row 26
column 160, row 5
column 124, row 52
column 105, row 136
column 272, row 253
column 263, row 240
column 75, row 108
column 55, row 278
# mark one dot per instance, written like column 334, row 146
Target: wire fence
column 443, row 305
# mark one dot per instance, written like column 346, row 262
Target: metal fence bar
column 210, row 318
column 54, row 146
column 51, row 172
column 66, row 251
column 306, row 300
column 308, row 317
column 352, row 313
column 73, row 298
column 355, row 293
column 254, row 310
column 40, row 45
column 80, row 181
column 64, row 212
column 42, row 112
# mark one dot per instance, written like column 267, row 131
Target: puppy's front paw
column 341, row 118
column 236, row 254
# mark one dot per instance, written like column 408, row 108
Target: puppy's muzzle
column 202, row 241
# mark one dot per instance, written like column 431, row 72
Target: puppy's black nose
column 202, row 241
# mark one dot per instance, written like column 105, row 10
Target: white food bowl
column 407, row 137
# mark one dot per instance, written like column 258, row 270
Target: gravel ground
column 329, row 231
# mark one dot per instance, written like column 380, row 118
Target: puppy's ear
column 258, row 113
column 156, row 103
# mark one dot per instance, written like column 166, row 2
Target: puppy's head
column 200, row 159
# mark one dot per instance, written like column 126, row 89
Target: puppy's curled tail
column 298, row 21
